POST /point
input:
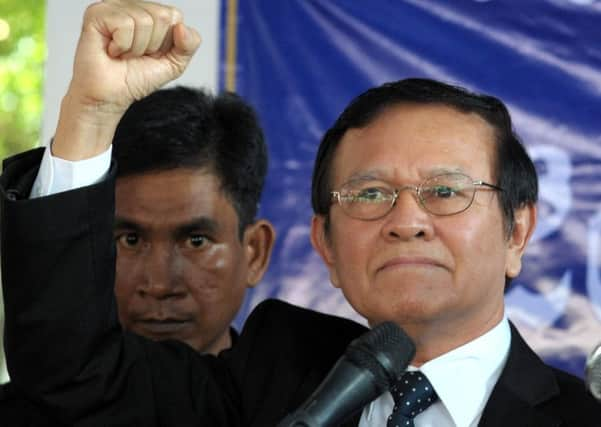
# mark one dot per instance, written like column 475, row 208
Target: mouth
column 410, row 262
column 162, row 328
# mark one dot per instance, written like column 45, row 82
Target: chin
column 402, row 311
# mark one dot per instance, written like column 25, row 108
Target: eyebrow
column 445, row 169
column 123, row 222
column 202, row 224
column 368, row 175
column 379, row 175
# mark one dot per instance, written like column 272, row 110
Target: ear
column 321, row 243
column 524, row 223
column 258, row 241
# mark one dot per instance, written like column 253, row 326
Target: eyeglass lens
column 445, row 194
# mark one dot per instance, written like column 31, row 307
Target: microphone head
column 385, row 351
column 593, row 373
column 368, row 367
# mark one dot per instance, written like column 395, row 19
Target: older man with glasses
column 434, row 259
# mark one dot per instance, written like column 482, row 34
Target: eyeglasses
column 441, row 195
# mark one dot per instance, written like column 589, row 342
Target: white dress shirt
column 463, row 379
column 56, row 175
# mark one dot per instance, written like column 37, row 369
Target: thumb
column 185, row 43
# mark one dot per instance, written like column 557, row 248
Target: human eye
column 442, row 191
column 370, row 194
column 128, row 240
column 446, row 187
column 197, row 241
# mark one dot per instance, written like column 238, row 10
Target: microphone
column 593, row 373
column 369, row 366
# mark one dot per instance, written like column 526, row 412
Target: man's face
column 181, row 268
column 412, row 267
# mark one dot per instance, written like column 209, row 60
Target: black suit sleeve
column 64, row 345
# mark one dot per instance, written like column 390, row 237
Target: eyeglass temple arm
column 486, row 184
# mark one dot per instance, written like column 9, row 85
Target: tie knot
column 412, row 394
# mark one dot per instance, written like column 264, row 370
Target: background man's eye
column 129, row 239
column 197, row 241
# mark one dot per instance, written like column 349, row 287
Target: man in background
column 190, row 172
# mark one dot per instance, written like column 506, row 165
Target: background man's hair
column 183, row 127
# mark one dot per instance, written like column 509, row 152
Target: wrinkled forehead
column 414, row 142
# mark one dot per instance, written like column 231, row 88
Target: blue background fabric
column 299, row 62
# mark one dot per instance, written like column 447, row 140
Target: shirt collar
column 465, row 377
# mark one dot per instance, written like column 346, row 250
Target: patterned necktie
column 412, row 394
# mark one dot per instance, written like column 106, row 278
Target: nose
column 162, row 273
column 407, row 219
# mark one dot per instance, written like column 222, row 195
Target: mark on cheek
column 220, row 263
column 216, row 257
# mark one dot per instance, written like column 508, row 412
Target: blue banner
column 300, row 62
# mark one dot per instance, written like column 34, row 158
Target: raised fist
column 127, row 49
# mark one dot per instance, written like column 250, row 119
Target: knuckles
column 139, row 14
column 165, row 15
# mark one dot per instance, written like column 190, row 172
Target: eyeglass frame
column 336, row 196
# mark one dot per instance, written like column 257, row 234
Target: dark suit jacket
column 66, row 351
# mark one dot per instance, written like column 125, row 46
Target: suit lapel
column 354, row 421
column 311, row 380
column 524, row 383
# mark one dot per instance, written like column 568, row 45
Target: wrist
column 84, row 130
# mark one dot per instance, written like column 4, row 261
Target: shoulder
column 278, row 320
column 277, row 331
column 283, row 353
column 574, row 402
column 293, row 313
column 550, row 391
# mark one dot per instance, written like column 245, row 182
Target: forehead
column 172, row 197
column 413, row 141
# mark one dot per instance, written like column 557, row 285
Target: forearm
column 84, row 131
column 64, row 345
column 57, row 274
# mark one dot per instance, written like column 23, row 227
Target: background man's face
column 410, row 266
column 181, row 267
